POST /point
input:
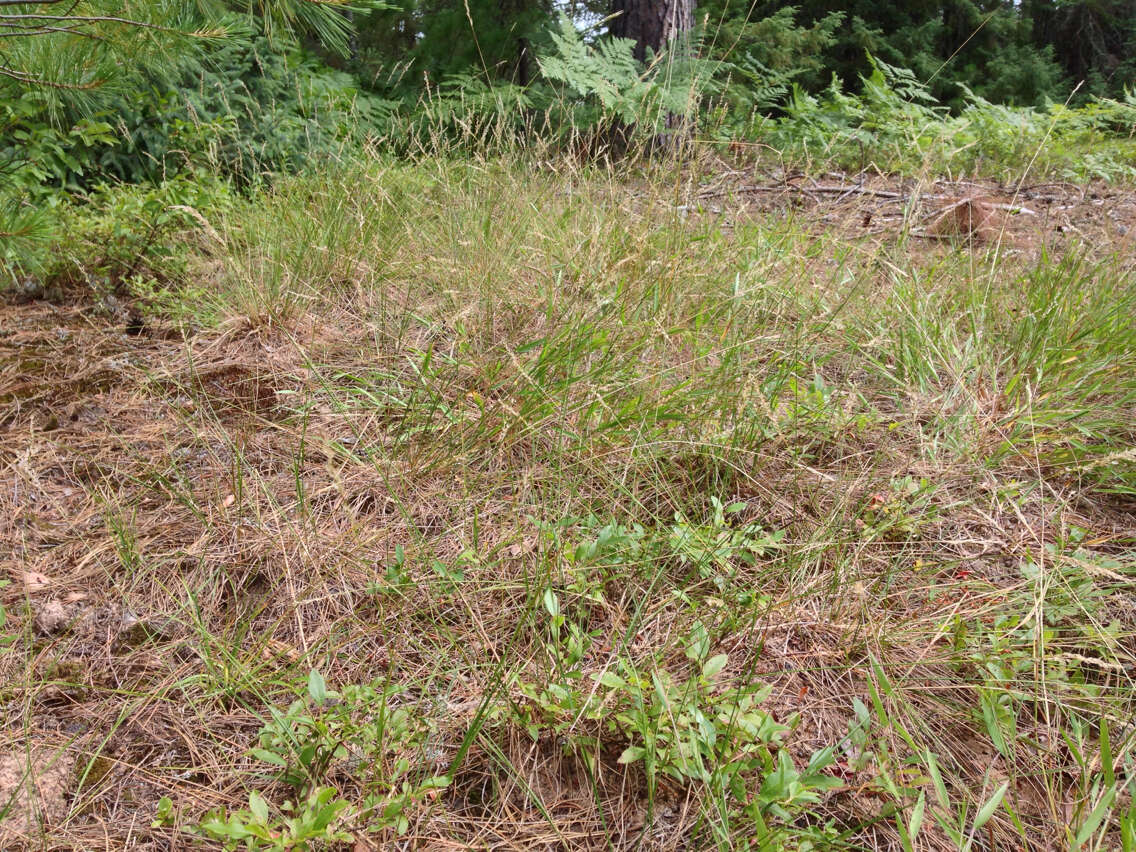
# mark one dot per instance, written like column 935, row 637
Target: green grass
column 490, row 504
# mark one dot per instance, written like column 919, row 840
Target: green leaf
column 1107, row 768
column 268, row 757
column 317, row 687
column 632, row 754
column 661, row 691
column 551, row 603
column 611, row 680
column 714, row 665
column 258, row 806
column 163, row 813
column 916, row 821
column 698, row 645
column 1094, row 819
column 327, row 810
column 992, row 717
column 988, row 809
column 937, row 779
column 904, row 834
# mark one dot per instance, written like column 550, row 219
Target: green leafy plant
column 242, row 109
column 614, row 87
column 894, row 123
column 900, row 512
column 125, row 232
column 696, row 728
column 716, row 549
column 324, row 732
column 359, row 723
column 291, row 827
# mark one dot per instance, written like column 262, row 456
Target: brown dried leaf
column 275, row 648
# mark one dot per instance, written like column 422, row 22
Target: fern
column 888, row 82
column 766, row 88
column 897, row 124
column 606, row 70
column 607, row 73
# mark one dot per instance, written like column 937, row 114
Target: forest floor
column 457, row 507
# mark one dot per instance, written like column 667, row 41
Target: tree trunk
column 651, row 23
column 657, row 26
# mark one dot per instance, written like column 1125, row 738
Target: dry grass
column 452, row 431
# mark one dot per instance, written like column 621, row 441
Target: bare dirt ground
column 95, row 410
column 1028, row 217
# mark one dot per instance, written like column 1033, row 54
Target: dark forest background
column 1015, row 53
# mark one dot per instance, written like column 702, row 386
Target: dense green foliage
column 1020, row 53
